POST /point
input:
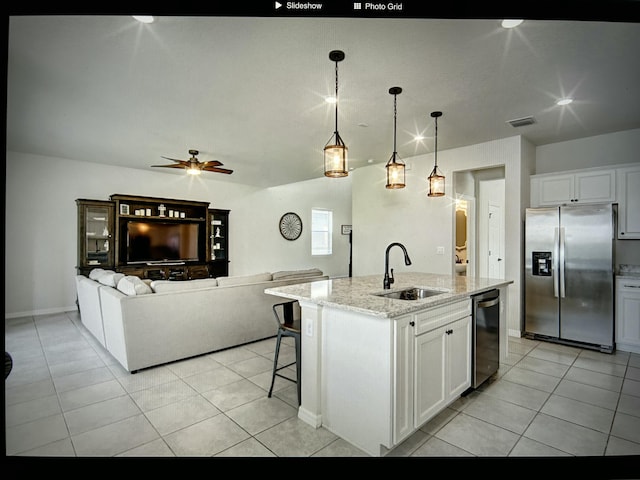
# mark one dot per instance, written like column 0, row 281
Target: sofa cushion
column 95, row 273
column 286, row 274
column 132, row 285
column 243, row 279
column 110, row 278
column 160, row 286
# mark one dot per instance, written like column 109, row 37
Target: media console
column 153, row 237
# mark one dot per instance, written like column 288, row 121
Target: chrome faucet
column 388, row 279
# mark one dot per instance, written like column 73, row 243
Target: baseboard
column 44, row 311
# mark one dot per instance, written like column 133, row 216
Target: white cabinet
column 442, row 368
column 628, row 182
column 588, row 186
column 403, row 374
column 628, row 314
column 432, row 364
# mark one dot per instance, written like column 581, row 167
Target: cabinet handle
column 631, row 286
column 412, row 323
column 449, row 332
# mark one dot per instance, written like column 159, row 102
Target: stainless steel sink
column 411, row 293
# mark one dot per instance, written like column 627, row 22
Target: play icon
column 278, row 5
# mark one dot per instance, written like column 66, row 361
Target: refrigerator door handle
column 561, row 280
column 555, row 267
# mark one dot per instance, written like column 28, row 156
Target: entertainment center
column 152, row 237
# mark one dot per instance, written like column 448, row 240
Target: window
column 321, row 230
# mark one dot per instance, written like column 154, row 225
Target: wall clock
column 290, row 226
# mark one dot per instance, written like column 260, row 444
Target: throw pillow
column 132, row 285
column 95, row 273
column 110, row 278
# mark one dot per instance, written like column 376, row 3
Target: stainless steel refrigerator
column 569, row 275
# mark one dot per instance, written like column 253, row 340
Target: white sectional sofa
column 144, row 324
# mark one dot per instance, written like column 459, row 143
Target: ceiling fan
column 194, row 167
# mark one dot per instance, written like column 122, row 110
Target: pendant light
column 436, row 180
column 395, row 166
column 335, row 151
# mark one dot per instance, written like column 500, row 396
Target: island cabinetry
column 382, row 378
column 439, row 363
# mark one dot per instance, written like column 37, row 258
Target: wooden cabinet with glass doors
column 218, row 242
column 95, row 235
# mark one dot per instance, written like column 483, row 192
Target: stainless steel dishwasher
column 486, row 336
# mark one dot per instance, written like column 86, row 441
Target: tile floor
column 67, row 397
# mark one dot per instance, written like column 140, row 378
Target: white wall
column 263, row 248
column 597, row 151
column 423, row 224
column 41, row 223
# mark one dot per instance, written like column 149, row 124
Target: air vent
column 521, row 122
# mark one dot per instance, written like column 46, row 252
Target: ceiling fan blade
column 175, row 165
column 217, row 170
column 211, row 163
column 184, row 162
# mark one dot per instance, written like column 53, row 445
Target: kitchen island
column 375, row 368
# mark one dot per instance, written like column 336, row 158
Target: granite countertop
column 358, row 294
column 628, row 271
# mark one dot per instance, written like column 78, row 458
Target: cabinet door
column 595, row 187
column 628, row 316
column 629, row 203
column 458, row 357
column 555, row 190
column 218, row 248
column 95, row 234
column 403, row 371
column 430, row 374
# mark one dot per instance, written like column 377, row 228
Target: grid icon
column 357, row 6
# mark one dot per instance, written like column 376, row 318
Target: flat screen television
column 162, row 242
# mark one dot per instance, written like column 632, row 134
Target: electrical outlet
column 309, row 328
column 440, row 250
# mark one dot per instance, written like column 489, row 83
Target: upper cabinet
column 588, row 186
column 628, row 182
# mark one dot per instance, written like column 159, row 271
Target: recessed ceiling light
column 510, row 23
column 417, row 138
column 564, row 101
column 144, row 18
column 331, row 99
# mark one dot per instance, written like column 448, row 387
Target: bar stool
column 287, row 316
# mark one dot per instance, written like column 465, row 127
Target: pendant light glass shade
column 335, row 151
column 436, row 179
column 395, row 166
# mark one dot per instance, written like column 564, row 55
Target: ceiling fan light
column 193, row 171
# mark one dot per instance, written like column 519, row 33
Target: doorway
column 480, row 197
